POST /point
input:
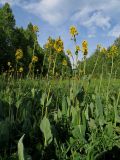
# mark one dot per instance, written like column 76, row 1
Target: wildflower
column 34, row 59
column 73, row 31
column 49, row 43
column 69, row 53
column 85, row 47
column 58, row 45
column 21, row 69
column 64, row 62
column 19, row 54
column 35, row 28
column 84, row 44
column 113, row 51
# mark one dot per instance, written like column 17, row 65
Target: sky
column 97, row 21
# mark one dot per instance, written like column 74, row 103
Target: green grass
column 61, row 119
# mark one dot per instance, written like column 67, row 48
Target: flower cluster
column 58, row 45
column 113, row 51
column 34, row 59
column 19, row 54
column 85, row 47
column 21, row 69
column 73, row 31
column 49, row 43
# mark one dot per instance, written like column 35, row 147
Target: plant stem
column 54, row 64
column 109, row 80
column 84, row 65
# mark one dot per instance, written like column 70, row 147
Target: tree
column 7, row 27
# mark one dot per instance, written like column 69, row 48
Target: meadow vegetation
column 52, row 108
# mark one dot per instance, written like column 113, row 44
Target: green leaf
column 64, row 106
column 21, row 149
column 49, row 101
column 46, row 129
column 43, row 99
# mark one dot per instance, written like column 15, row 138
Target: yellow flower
column 64, row 62
column 35, row 28
column 69, row 53
column 113, row 51
column 85, row 47
column 49, row 43
column 9, row 64
column 19, row 54
column 34, row 59
column 21, row 69
column 77, row 48
column 84, row 44
column 58, row 45
column 73, row 31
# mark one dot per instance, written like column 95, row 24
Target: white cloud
column 91, row 35
column 47, row 9
column 97, row 19
column 91, row 14
column 115, row 31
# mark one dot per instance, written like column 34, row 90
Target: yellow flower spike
column 34, row 59
column 19, row 54
column 73, row 31
column 113, row 51
column 35, row 28
column 85, row 44
column 49, row 43
column 21, row 69
column 69, row 53
column 58, row 45
column 64, row 62
column 85, row 47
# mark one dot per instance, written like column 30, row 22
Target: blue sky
column 97, row 21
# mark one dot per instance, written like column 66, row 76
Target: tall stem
column 43, row 65
column 33, row 55
column 109, row 80
column 84, row 64
column 54, row 64
column 101, row 77
column 95, row 66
